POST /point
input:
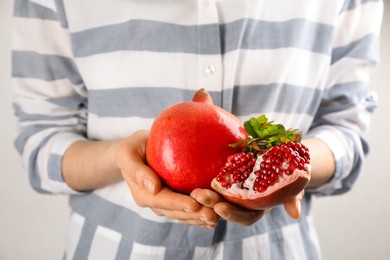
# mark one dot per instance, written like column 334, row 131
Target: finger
column 193, row 222
column 293, row 206
column 199, row 223
column 205, row 216
column 237, row 215
column 206, row 197
column 171, row 200
column 165, row 199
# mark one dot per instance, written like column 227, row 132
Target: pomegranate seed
column 237, row 169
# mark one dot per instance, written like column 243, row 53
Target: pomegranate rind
column 273, row 196
column 188, row 144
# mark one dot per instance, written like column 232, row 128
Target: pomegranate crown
column 263, row 134
column 202, row 96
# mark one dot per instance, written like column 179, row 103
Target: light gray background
column 352, row 226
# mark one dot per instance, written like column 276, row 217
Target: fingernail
column 205, row 202
column 188, row 210
column 149, row 185
column 222, row 214
column 206, row 221
column 212, row 226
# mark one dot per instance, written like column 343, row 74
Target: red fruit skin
column 275, row 195
column 188, row 144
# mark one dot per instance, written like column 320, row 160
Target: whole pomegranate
column 189, row 142
column 272, row 168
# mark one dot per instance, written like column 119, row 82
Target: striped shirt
column 104, row 69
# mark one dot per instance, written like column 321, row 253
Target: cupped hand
column 239, row 215
column 203, row 207
column 147, row 190
column 226, row 210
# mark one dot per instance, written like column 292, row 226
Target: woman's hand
column 88, row 165
column 244, row 217
column 226, row 210
column 147, row 190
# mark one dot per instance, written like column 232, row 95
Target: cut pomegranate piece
column 281, row 172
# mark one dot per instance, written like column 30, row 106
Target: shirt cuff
column 54, row 163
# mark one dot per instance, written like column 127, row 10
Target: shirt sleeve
column 345, row 111
column 49, row 95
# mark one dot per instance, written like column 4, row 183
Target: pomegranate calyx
column 202, row 96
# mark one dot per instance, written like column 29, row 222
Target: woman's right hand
column 148, row 191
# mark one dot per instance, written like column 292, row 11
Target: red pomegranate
column 189, row 142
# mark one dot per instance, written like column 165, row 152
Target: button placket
column 209, row 57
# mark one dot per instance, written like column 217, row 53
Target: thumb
column 147, row 178
column 130, row 158
column 293, row 208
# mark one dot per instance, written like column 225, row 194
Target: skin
column 124, row 159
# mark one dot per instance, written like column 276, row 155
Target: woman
column 90, row 79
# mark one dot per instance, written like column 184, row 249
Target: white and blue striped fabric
column 103, row 69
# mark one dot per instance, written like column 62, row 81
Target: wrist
column 322, row 162
column 88, row 165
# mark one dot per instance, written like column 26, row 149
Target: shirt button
column 210, row 69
